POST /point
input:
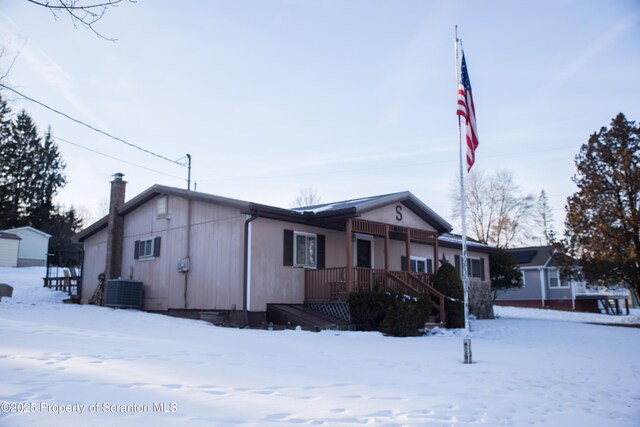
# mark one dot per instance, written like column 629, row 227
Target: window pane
column 162, row 206
column 300, row 250
column 311, row 251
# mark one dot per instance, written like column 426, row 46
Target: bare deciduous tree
column 307, row 196
column 81, row 13
column 496, row 211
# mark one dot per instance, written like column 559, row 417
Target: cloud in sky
column 38, row 62
column 592, row 51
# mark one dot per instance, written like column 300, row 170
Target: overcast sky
column 355, row 98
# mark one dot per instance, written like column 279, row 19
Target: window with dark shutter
column 457, row 261
column 321, row 251
column 156, row 247
column 288, row 248
column 403, row 263
column 429, row 266
column 147, row 248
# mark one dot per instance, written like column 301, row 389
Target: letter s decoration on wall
column 399, row 212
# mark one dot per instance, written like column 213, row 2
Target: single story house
column 545, row 286
column 9, row 247
column 34, row 246
column 202, row 252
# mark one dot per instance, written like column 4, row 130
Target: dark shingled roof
column 328, row 215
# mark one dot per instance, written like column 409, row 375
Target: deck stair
column 215, row 317
column 299, row 315
column 611, row 307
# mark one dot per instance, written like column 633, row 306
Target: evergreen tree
column 63, row 224
column 544, row 219
column 5, row 135
column 504, row 272
column 30, row 174
column 603, row 216
column 447, row 280
column 19, row 155
column 46, row 181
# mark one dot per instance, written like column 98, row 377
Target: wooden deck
column 332, row 284
column 67, row 283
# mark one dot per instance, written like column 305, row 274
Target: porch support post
column 408, row 243
column 349, row 232
column 435, row 254
column 386, row 247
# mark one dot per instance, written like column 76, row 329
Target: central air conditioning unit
column 121, row 293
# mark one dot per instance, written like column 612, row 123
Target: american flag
column 468, row 111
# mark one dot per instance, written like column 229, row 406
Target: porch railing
column 330, row 284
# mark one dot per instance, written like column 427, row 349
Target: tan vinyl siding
column 389, row 215
column 95, row 255
column 271, row 281
column 214, row 281
column 217, row 257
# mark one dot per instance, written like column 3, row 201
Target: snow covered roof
column 366, row 204
column 455, row 241
column 540, row 256
column 18, row 230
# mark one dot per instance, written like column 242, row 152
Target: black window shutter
column 156, row 247
column 403, row 263
column 429, row 266
column 457, row 260
column 136, row 250
column 321, row 251
column 288, row 247
column 481, row 268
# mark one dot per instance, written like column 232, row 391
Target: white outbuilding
column 9, row 247
column 33, row 247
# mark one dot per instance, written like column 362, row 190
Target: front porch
column 332, row 284
column 336, row 283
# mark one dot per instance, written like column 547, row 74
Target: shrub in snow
column 392, row 313
column 406, row 316
column 368, row 309
column 448, row 282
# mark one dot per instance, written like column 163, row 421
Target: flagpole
column 465, row 275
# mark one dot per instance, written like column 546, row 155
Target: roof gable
column 534, row 256
column 27, row 229
column 367, row 204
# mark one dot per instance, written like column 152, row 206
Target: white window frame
column 470, row 269
column 556, row 272
column 356, row 237
column 146, row 243
column 307, row 236
column 418, row 259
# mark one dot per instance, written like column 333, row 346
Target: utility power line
column 91, row 127
column 112, row 157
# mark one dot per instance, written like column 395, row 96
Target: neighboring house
column 196, row 251
column 9, row 247
column 34, row 246
column 544, row 286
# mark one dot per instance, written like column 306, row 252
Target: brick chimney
column 115, row 228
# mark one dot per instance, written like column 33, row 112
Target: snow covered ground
column 74, row 365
